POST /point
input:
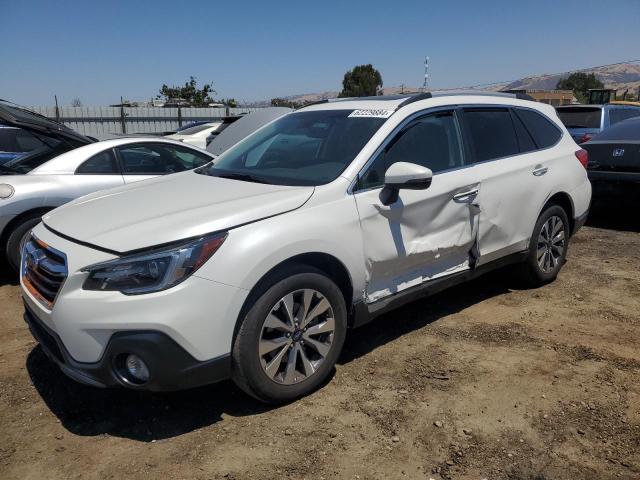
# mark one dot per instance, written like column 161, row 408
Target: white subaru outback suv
column 255, row 266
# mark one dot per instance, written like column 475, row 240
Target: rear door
column 141, row 161
column 98, row 172
column 514, row 173
column 425, row 234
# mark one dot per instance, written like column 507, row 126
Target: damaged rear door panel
column 425, row 234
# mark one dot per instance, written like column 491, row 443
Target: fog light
column 137, row 368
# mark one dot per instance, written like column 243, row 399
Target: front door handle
column 465, row 196
column 539, row 170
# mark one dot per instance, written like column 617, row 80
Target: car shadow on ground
column 145, row 416
column 615, row 212
column 7, row 276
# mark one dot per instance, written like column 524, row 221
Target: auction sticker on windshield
column 371, row 113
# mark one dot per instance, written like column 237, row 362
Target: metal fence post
column 57, row 109
column 179, row 114
column 122, row 119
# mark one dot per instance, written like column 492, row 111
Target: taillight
column 584, row 138
column 583, row 157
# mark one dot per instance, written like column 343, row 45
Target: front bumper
column 170, row 366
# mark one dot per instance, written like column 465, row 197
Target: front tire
column 547, row 248
column 291, row 337
column 17, row 239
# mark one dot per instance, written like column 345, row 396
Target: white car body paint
column 385, row 249
column 198, row 139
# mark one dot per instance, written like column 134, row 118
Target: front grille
column 44, row 270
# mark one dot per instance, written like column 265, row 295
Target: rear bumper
column 170, row 366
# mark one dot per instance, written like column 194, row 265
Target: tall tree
column 580, row 83
column 362, row 81
column 197, row 97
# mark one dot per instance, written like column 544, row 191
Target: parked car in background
column 29, row 137
column 16, row 142
column 243, row 126
column 585, row 121
column 614, row 158
column 254, row 266
column 196, row 135
column 30, row 186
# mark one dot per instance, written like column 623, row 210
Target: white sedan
column 31, row 186
column 196, row 135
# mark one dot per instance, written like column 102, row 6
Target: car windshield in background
column 625, row 131
column 194, row 129
column 40, row 149
column 303, row 148
column 580, row 117
column 189, row 125
column 617, row 115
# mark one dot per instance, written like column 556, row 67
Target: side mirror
column 404, row 175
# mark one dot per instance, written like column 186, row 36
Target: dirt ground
column 481, row 381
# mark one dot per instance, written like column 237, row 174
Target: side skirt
column 363, row 313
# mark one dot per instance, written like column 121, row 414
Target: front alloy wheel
column 289, row 340
column 296, row 336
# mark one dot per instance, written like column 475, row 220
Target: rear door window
column 543, row 131
column 492, row 134
column 525, row 140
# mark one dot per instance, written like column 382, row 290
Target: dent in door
column 410, row 244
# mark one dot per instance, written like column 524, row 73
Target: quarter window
column 543, row 131
column 492, row 133
column 159, row 159
column 432, row 141
column 103, row 163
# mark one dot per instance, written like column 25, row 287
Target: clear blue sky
column 254, row 50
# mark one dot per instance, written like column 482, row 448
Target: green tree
column 362, row 81
column 580, row 83
column 283, row 102
column 197, row 97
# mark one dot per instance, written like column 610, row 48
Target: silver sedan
column 28, row 191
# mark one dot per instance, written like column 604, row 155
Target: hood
column 168, row 209
column 245, row 126
column 21, row 117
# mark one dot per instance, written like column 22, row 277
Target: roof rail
column 416, row 98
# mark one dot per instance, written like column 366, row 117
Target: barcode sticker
column 371, row 113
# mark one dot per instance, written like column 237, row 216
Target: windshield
column 36, row 150
column 303, row 148
column 580, row 117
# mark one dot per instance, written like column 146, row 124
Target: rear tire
column 17, row 239
column 547, row 248
column 291, row 337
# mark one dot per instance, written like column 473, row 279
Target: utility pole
column 425, row 85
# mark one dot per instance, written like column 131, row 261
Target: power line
column 551, row 74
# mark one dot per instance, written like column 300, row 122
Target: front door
column 425, row 234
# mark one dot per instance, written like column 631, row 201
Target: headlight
column 152, row 271
column 6, row 190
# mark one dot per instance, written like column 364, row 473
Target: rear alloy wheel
column 547, row 247
column 551, row 244
column 291, row 337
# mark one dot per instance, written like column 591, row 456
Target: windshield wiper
column 246, row 177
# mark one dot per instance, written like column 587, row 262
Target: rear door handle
column 465, row 196
column 539, row 170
